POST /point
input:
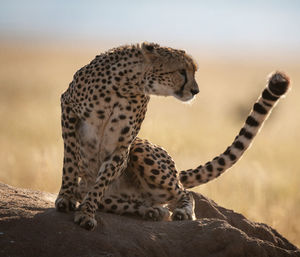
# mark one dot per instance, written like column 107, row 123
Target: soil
column 30, row 226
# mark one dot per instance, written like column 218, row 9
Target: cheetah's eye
column 183, row 72
column 149, row 48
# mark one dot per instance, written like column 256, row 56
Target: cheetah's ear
column 149, row 51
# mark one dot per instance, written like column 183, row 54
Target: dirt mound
column 29, row 226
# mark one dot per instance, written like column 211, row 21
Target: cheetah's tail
column 278, row 85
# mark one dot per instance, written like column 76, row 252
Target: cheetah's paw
column 85, row 220
column 64, row 204
column 183, row 214
column 157, row 213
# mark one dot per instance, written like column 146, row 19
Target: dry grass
column 263, row 185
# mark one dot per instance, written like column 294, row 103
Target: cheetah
column 150, row 186
column 102, row 112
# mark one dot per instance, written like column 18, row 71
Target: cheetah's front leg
column 111, row 169
column 66, row 198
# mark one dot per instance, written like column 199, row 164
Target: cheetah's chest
column 99, row 138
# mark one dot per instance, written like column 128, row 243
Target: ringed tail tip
column 278, row 83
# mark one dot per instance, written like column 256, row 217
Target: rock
column 30, row 226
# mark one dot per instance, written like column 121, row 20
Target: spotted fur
column 102, row 112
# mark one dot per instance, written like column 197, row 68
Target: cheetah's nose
column 195, row 91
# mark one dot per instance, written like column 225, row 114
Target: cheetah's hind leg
column 184, row 209
column 123, row 205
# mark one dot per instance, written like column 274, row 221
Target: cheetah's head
column 169, row 72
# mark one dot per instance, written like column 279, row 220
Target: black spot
column 239, row 145
column 232, row 157
column 107, row 99
column 251, row 122
column 141, row 170
column 248, row 135
column 122, row 117
column 242, row 132
column 183, row 178
column 107, row 201
column 227, row 152
column 134, row 158
column 114, row 207
column 221, row 161
column 209, row 167
column 198, row 177
column 148, row 161
column 259, row 108
column 268, row 96
column 152, row 178
column 72, row 120
column 70, row 169
column 155, row 171
column 125, row 130
column 139, row 150
column 71, row 134
column 153, row 186
column 220, row 169
column 116, row 158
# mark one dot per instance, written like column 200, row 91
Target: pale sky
column 228, row 24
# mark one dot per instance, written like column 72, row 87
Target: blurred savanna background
column 236, row 45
